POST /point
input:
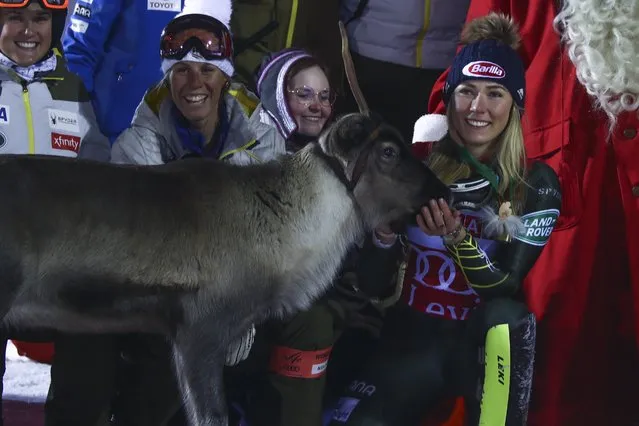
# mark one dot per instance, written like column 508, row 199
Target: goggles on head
column 202, row 33
column 48, row 4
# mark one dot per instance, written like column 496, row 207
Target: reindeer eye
column 389, row 152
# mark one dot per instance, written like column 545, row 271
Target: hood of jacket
column 271, row 88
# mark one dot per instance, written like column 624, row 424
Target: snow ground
column 25, row 380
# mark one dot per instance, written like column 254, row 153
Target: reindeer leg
column 199, row 356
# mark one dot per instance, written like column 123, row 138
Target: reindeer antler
column 349, row 67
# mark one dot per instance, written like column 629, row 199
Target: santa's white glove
column 239, row 350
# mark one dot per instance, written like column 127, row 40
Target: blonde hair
column 510, row 154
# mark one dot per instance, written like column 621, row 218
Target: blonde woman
column 460, row 329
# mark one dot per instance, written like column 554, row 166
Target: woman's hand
column 438, row 219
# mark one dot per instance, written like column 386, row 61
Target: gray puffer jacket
column 153, row 139
column 414, row 33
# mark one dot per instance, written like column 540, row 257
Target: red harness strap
column 300, row 364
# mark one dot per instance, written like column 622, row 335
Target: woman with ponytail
column 460, row 329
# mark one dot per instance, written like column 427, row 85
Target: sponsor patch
column 345, row 407
column 549, row 192
column 65, row 142
column 538, row 226
column 64, row 120
column 4, row 114
column 362, row 387
column 164, row 5
column 317, row 369
column 300, row 364
column 87, row 1
column 83, row 11
column 78, row 26
column 484, row 69
column 3, row 140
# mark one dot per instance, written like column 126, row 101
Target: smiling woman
column 51, row 110
column 196, row 89
column 309, row 97
column 460, row 319
column 44, row 109
column 482, row 111
column 191, row 112
column 26, row 34
column 296, row 96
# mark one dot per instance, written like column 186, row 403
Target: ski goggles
column 202, row 33
column 49, row 4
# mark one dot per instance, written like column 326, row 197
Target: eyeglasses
column 49, row 4
column 202, row 33
column 306, row 95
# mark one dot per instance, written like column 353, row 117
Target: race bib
column 433, row 284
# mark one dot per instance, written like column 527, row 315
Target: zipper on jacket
column 422, row 34
column 52, row 78
column 244, row 148
column 29, row 116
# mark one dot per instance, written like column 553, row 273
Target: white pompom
column 430, row 128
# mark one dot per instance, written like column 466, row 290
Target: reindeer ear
column 352, row 132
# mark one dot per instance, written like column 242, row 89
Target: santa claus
column 602, row 43
column 582, row 78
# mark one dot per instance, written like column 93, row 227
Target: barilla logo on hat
column 484, row 69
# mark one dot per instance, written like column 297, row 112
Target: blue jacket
column 113, row 45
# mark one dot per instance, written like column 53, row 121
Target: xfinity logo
column 65, row 142
column 82, row 11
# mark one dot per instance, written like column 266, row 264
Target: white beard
column 602, row 37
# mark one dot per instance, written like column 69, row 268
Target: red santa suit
column 584, row 289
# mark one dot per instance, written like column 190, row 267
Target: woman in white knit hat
column 191, row 111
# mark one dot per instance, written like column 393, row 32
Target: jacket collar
column 158, row 107
column 49, row 67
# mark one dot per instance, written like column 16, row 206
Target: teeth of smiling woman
column 475, row 123
column 26, row 44
column 312, row 118
column 196, row 99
